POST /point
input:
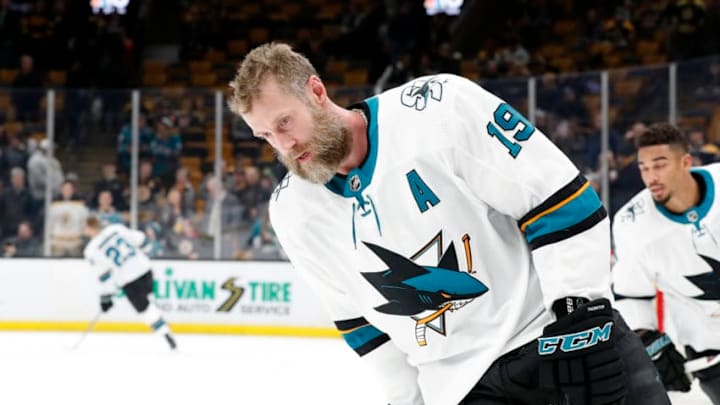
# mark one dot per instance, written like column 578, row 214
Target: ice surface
column 40, row 368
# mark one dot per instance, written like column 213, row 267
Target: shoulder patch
column 418, row 93
column 631, row 212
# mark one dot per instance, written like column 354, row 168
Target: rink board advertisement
column 194, row 296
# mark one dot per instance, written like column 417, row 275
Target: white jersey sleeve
column 518, row 171
column 633, row 282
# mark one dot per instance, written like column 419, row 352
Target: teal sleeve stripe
column 571, row 213
column 361, row 336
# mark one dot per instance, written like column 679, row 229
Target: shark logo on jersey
column 419, row 92
column 629, row 214
column 706, row 247
column 709, row 282
column 424, row 293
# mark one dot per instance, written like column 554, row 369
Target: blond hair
column 290, row 69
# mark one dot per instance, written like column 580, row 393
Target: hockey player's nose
column 284, row 143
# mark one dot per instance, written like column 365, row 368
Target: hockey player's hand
column 668, row 361
column 106, row 302
column 579, row 358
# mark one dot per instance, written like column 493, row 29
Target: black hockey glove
column 668, row 361
column 578, row 354
column 106, row 302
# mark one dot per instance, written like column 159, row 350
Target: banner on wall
column 194, row 296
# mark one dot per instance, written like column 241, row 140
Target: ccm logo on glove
column 574, row 341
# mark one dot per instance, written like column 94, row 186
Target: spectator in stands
column 43, row 168
column 106, row 210
column 222, row 209
column 110, row 182
column 124, row 144
column 24, row 244
column 166, row 149
column 148, row 209
column 27, row 95
column 18, row 202
column 16, row 152
column 706, row 152
column 710, row 87
column 146, row 178
column 687, row 21
column 68, row 192
column 184, row 186
column 253, row 195
column 179, row 233
column 66, row 221
column 153, row 247
column 262, row 241
column 172, row 211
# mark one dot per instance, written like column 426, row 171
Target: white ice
column 40, row 368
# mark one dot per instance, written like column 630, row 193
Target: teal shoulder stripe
column 570, row 214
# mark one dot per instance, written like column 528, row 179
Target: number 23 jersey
column 116, row 248
column 440, row 243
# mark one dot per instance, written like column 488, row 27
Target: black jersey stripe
column 570, row 231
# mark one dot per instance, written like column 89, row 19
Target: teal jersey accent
column 361, row 336
column 423, row 195
column 342, row 184
column 695, row 214
column 573, row 212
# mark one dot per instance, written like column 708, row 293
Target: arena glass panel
column 176, row 157
column 23, row 127
column 698, row 106
column 638, row 96
column 514, row 91
column 85, row 177
column 565, row 105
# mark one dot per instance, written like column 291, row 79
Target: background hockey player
column 667, row 237
column 115, row 252
column 459, row 252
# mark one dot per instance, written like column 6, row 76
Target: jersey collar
column 359, row 178
column 694, row 214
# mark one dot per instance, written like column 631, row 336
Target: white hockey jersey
column 446, row 247
column 116, row 255
column 676, row 253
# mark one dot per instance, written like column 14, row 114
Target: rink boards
column 246, row 297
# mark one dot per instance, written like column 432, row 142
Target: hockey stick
column 87, row 331
column 701, row 363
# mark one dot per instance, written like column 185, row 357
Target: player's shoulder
column 424, row 91
column 294, row 199
column 639, row 222
column 713, row 169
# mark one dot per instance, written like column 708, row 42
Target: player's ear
column 686, row 160
column 318, row 93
